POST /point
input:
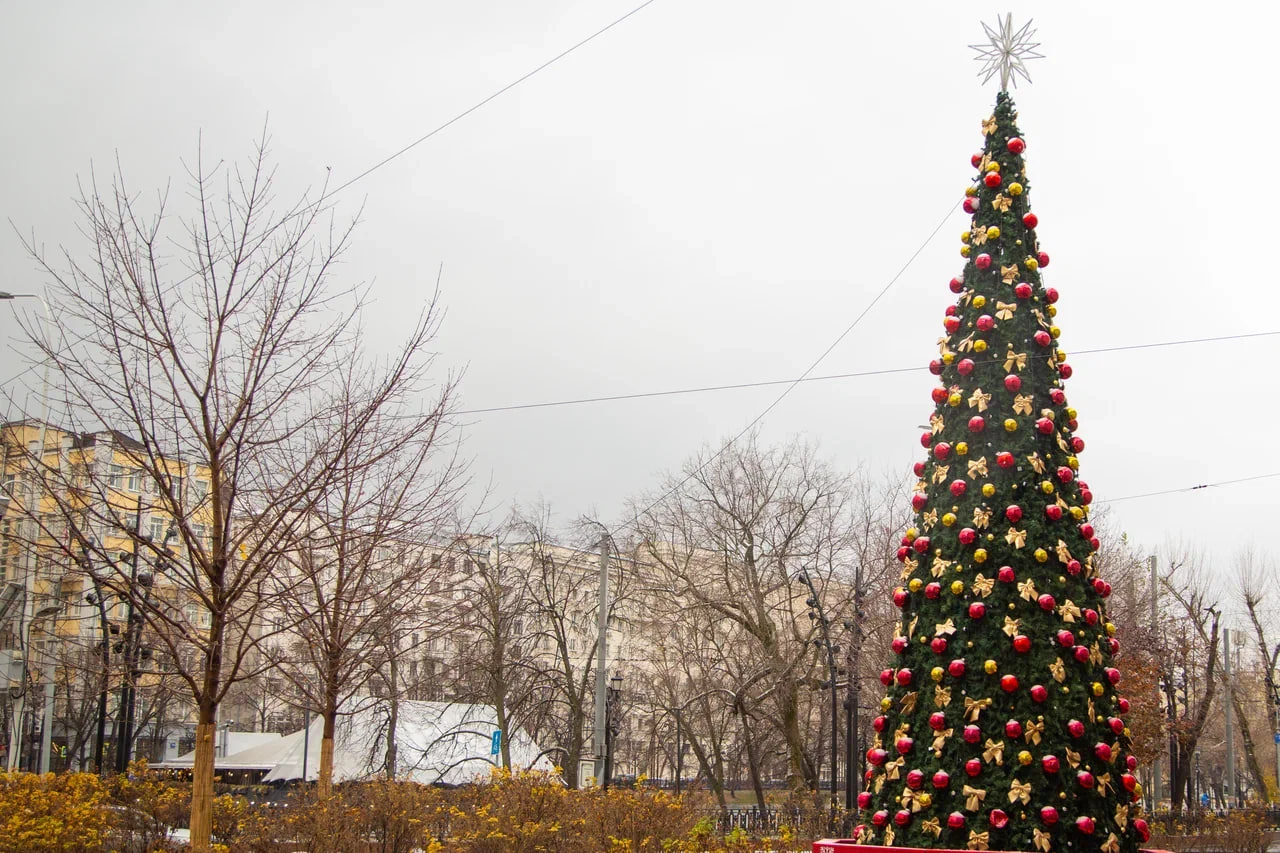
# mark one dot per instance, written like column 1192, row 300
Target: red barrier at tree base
column 848, row 845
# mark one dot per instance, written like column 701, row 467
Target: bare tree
column 199, row 350
column 729, row 533
column 359, row 563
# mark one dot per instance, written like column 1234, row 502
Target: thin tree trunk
column 324, row 778
column 1250, row 754
column 394, row 720
column 753, row 761
column 202, row 780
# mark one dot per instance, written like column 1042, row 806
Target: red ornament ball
column 935, row 367
column 977, row 610
column 1091, row 615
column 1066, row 639
column 1022, row 645
column 904, row 677
column 1053, row 512
column 1117, row 726
column 900, row 595
column 899, row 645
column 937, row 721
column 977, row 423
column 902, row 818
column 933, row 590
column 1050, row 764
column 998, row 818
column 958, row 487
column 1064, row 370
column 880, row 818
column 967, row 536
column 1012, row 383
column 921, row 544
column 1113, row 674
column 1086, row 529
column 973, row 767
column 1009, row 683
column 1074, row 567
column 982, row 261
column 965, row 366
column 956, row 285
column 951, row 324
column 955, row 820
column 939, row 645
column 1041, row 337
column 1046, row 602
column 1013, row 729
column 1058, row 396
column 1075, row 728
column 1051, row 295
column 976, row 160
column 1124, row 705
column 970, row 205
column 985, row 323
column 1077, row 444
column 1043, row 258
column 1013, row 512
column 905, row 745
column 1030, row 220
column 1081, row 654
column 1144, row 831
column 1085, row 779
column 939, row 395
column 1039, row 693
column 877, row 756
column 941, row 779
column 1022, row 290
column 956, row 668
column 1004, row 458
column 1085, row 824
column 1049, row 815
column 972, row 734
column 918, row 469
column 864, row 799
column 1015, row 145
column 1006, row 575
column 915, row 780
column 879, row 722
column 919, row 501
column 941, row 450
column 1131, row 761
column 991, row 179
column 1103, row 751
column 1044, row 426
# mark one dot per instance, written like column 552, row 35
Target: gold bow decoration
column 1069, row 611
column 1037, row 464
column 1014, row 359
column 1043, row 840
column 989, row 127
column 948, row 628
column 973, row 708
column 931, row 826
column 941, row 696
column 978, row 467
column 966, row 343
column 1095, row 654
column 979, row 840
column 939, row 567
column 888, row 836
column 1015, row 537
column 1122, row 816
column 878, row 783
column 1004, row 310
column 1022, row 404
column 977, row 236
column 1058, row 671
column 1092, row 712
column 908, row 702
column 1104, row 783
column 973, row 798
column 937, row 422
column 940, row 738
column 864, row 834
column 1009, row 274
column 944, row 346
column 966, row 295
column 1062, row 444
column 1032, row 732
column 1002, row 203
column 1073, row 757
column 940, row 473
column 911, row 628
column 1012, row 626
column 1027, row 589
column 1111, row 845
column 909, row 566
column 982, row 515
column 980, row 399
column 994, row 751
column 911, row 799
column 1064, row 552
column 1039, row 315
column 892, row 770
column 930, row 518
column 982, row 586
column 1019, row 791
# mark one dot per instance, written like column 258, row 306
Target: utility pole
column 1155, row 627
column 598, row 738
column 1226, row 709
column 853, row 695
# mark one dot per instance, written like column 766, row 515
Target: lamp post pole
column 819, row 616
column 611, row 723
column 28, row 605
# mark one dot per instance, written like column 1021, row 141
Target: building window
column 159, row 526
column 199, row 489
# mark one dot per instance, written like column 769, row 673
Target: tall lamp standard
column 818, row 616
column 16, row 732
column 613, row 717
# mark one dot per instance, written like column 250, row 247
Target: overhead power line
column 825, row 378
column 1193, row 488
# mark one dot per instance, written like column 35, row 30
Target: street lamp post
column 612, row 719
column 819, row 617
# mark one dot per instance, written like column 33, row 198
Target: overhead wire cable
column 1194, row 488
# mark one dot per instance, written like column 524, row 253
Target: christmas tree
column 1002, row 727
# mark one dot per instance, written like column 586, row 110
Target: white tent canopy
column 436, row 743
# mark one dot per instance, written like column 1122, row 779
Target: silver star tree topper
column 1006, row 53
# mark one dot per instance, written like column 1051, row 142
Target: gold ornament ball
column 1046, row 486
column 1055, row 331
column 993, row 233
column 1010, row 424
column 1041, row 555
column 955, row 398
column 990, row 667
column 1030, row 263
column 948, row 519
column 1126, row 732
column 915, row 584
column 988, row 489
column 1097, row 688
column 1015, row 188
column 911, row 534
column 970, row 191
column 936, row 673
column 1052, row 310
column 962, row 447
column 1072, row 414
column 980, row 555
column 1024, row 758
column 979, row 301
column 1061, row 356
column 1137, row 788
column 965, row 235
column 964, row 251
column 924, row 640
column 957, row 587
column 991, row 537
column 1111, row 629
column 1073, row 462
column 979, row 346
column 885, row 704
column 1077, row 513
column 925, row 799
column 949, row 358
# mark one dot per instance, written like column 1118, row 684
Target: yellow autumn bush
column 57, row 814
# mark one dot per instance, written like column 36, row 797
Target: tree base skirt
column 848, row 845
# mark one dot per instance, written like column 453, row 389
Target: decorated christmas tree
column 1002, row 727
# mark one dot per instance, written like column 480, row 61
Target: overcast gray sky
column 709, row 193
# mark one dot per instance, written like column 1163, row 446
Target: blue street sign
column 1277, row 737
column 496, row 746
